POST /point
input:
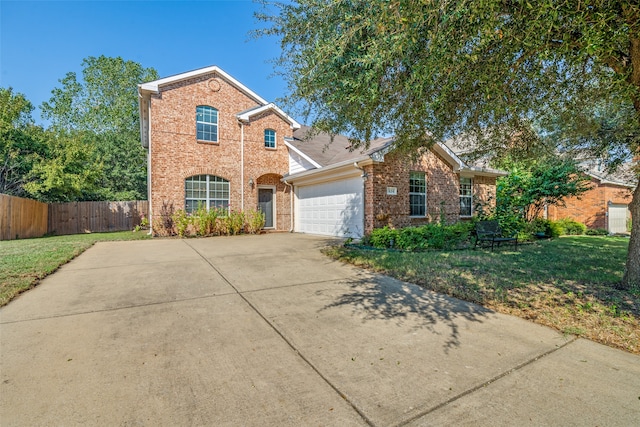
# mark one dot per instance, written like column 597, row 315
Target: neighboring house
column 213, row 141
column 605, row 205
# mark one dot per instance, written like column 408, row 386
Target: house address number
column 392, row 191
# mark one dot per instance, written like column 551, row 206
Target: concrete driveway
column 266, row 331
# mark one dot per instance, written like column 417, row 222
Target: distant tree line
column 90, row 149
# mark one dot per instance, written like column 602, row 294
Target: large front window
column 206, row 124
column 417, row 194
column 466, row 197
column 208, row 191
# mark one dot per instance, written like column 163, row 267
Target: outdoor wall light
column 251, row 183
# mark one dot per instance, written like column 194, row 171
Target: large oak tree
column 426, row 70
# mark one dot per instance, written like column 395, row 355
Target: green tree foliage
column 20, row 142
column 428, row 70
column 532, row 185
column 104, row 102
column 68, row 170
column 15, row 110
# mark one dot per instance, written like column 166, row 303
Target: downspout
column 149, row 204
column 149, row 186
column 241, row 166
column 290, row 205
column 364, row 195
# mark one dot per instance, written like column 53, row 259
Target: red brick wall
column 591, row 207
column 176, row 154
column 484, row 191
column 443, row 191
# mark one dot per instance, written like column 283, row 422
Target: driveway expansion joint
column 287, row 341
column 106, row 310
column 486, row 383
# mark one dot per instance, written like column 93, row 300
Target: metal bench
column 489, row 232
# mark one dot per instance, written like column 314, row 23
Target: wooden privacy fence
column 22, row 218
column 95, row 217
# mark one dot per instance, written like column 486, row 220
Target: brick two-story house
column 213, row 141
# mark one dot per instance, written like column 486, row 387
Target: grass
column 566, row 283
column 23, row 263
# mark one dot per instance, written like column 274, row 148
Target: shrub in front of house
column 255, row 220
column 183, row 223
column 571, row 227
column 163, row 223
column 425, row 237
column 540, row 227
column 597, row 232
column 203, row 222
column 231, row 224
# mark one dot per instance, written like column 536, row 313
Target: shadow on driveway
column 379, row 298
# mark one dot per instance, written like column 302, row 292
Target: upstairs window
column 208, row 191
column 417, row 194
column 206, row 124
column 269, row 138
column 466, row 197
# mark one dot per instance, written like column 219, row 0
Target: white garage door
column 618, row 218
column 332, row 208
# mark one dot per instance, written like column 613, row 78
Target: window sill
column 200, row 141
column 271, row 148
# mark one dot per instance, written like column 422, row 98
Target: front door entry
column 265, row 205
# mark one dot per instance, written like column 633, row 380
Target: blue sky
column 41, row 41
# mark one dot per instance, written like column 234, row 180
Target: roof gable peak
column 156, row 85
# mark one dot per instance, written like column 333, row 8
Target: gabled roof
column 623, row 176
column 288, row 142
column 156, row 85
column 246, row 115
column 320, row 149
column 323, row 151
column 465, row 148
column 146, row 89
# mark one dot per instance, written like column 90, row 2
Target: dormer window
column 269, row 138
column 206, row 124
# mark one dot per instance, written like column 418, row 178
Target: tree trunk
column 632, row 269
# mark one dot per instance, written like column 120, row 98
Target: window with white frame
column 269, row 138
column 208, row 191
column 417, row 194
column 466, row 196
column 206, row 123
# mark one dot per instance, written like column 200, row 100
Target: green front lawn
column 24, row 262
column 566, row 283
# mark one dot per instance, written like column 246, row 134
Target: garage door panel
column 334, row 208
column 618, row 218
